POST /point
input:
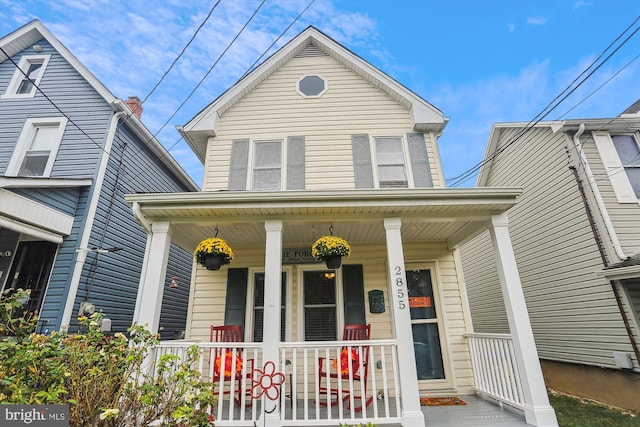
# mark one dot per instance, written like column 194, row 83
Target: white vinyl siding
column 275, row 109
column 36, row 150
column 27, row 76
column 573, row 313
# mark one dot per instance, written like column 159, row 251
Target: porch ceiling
column 435, row 215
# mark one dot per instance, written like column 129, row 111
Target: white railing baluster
column 495, row 370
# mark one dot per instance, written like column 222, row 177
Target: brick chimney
column 135, row 105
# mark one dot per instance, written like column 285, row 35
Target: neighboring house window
column 269, row 165
column 27, row 76
column 37, row 147
column 620, row 156
column 391, row 162
column 629, row 153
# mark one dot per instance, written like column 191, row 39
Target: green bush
column 104, row 379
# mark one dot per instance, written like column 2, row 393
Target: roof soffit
column 425, row 116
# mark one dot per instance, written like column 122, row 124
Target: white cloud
column 537, row 21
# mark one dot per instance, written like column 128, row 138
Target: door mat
column 441, row 401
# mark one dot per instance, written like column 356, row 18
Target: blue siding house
column 69, row 151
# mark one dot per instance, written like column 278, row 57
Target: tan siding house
column 316, row 141
column 576, row 236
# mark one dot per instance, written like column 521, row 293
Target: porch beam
column 154, row 270
column 537, row 410
column 411, row 412
column 272, row 286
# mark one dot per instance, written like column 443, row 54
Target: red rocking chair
column 353, row 364
column 226, row 364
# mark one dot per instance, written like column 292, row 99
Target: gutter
column 598, row 197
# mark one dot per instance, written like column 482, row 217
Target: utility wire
column 549, row 108
column 181, row 52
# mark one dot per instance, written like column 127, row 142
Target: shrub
column 104, row 379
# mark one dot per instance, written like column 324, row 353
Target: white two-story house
column 316, row 141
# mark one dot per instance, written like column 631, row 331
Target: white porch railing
column 372, row 378
column 495, row 369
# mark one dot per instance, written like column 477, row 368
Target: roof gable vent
column 310, row 50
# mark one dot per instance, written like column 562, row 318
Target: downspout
column 88, row 225
column 603, row 255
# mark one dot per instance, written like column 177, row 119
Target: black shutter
column 234, row 307
column 353, row 291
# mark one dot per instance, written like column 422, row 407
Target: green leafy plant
column 106, row 380
column 213, row 246
column 369, row 424
column 330, row 246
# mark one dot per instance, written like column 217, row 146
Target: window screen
column 629, row 153
column 390, row 160
column 267, row 165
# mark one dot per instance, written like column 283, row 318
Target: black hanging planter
column 213, row 262
column 333, row 261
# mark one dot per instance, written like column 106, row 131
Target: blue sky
column 479, row 62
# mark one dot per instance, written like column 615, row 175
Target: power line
column 550, row 107
column 182, row 51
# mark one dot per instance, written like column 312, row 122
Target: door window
column 258, row 307
column 424, row 324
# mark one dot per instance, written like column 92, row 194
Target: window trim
column 18, row 76
column 405, row 156
column 25, row 139
column 613, row 166
column 321, row 77
column 283, row 162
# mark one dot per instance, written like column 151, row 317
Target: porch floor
column 477, row 412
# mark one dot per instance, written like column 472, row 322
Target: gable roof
column 29, row 34
column 425, row 116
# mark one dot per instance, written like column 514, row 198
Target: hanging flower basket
column 228, row 364
column 344, row 362
column 213, row 253
column 330, row 249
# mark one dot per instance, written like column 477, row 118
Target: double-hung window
column 267, row 165
column 629, row 153
column 391, row 161
column 620, row 154
column 27, row 76
column 37, row 147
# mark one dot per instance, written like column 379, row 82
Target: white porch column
column 411, row 412
column 271, row 325
column 538, row 411
column 154, row 269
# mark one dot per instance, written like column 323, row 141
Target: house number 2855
column 400, row 287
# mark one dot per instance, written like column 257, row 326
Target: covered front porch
column 403, row 279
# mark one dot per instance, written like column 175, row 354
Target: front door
column 31, row 269
column 424, row 323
